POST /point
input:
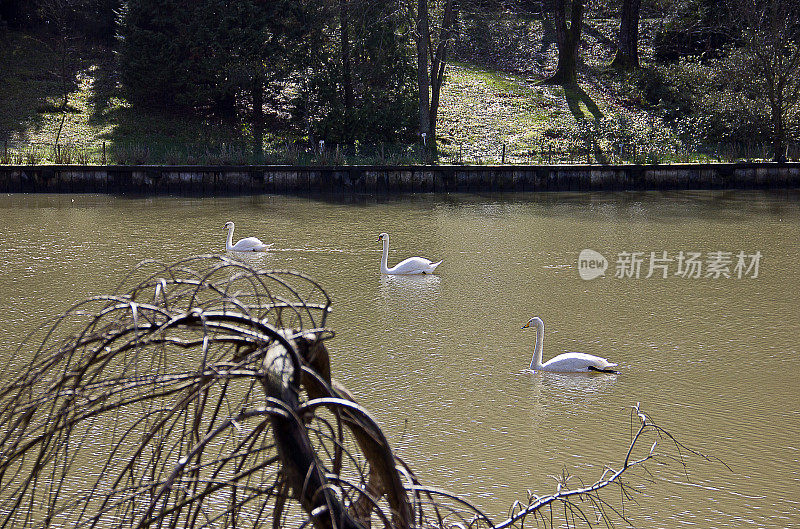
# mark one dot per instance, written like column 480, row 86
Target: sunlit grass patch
column 482, row 110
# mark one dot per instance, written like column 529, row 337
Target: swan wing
column 576, row 362
column 250, row 244
column 414, row 265
column 434, row 265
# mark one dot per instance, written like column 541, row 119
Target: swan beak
column 526, row 325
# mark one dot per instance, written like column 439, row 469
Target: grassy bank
column 486, row 116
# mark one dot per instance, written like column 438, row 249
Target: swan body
column 412, row 265
column 565, row 362
column 248, row 244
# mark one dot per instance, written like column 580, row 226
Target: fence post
column 103, row 162
column 503, row 156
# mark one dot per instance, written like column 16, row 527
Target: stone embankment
column 199, row 180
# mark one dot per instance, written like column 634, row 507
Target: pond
column 441, row 361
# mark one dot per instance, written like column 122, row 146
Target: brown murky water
column 441, row 360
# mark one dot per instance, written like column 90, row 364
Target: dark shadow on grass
column 142, row 135
column 31, row 82
column 590, row 31
column 105, row 85
column 548, row 34
column 139, row 134
column 576, row 96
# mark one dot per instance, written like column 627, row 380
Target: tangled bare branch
column 200, row 395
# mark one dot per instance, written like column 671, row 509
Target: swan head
column 383, row 236
column 228, row 225
column 533, row 320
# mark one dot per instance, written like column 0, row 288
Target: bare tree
column 431, row 63
column 58, row 14
column 423, row 81
column 770, row 57
column 200, row 395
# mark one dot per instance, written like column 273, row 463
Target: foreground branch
column 200, row 394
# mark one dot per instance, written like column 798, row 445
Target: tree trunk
column 778, row 132
column 438, row 63
column 773, row 73
column 226, row 105
column 258, row 117
column 347, row 71
column 568, row 39
column 423, row 36
column 300, row 469
column 627, row 56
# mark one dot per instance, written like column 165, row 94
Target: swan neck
column 229, row 242
column 536, row 361
column 385, row 256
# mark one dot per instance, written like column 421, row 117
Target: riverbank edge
column 227, row 180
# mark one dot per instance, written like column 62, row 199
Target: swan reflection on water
column 410, row 289
column 577, row 385
column 254, row 259
column 573, row 391
column 561, row 400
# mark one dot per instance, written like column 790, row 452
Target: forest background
column 400, row 81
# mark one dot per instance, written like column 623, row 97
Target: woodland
column 338, row 81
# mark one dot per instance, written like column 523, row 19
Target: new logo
column 591, row 264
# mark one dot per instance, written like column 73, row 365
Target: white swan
column 248, row 244
column 412, row 265
column 566, row 362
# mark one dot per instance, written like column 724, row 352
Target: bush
column 724, row 108
column 698, row 29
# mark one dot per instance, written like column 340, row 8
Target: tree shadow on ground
column 590, row 31
column 578, row 100
column 105, row 86
column 138, row 134
column 141, row 135
column 584, row 108
column 35, row 76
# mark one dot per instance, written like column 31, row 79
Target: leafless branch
column 200, row 394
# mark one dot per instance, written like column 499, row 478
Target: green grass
column 481, row 111
column 33, row 118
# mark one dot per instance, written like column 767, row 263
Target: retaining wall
column 197, row 180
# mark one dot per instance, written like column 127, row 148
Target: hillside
column 491, row 104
